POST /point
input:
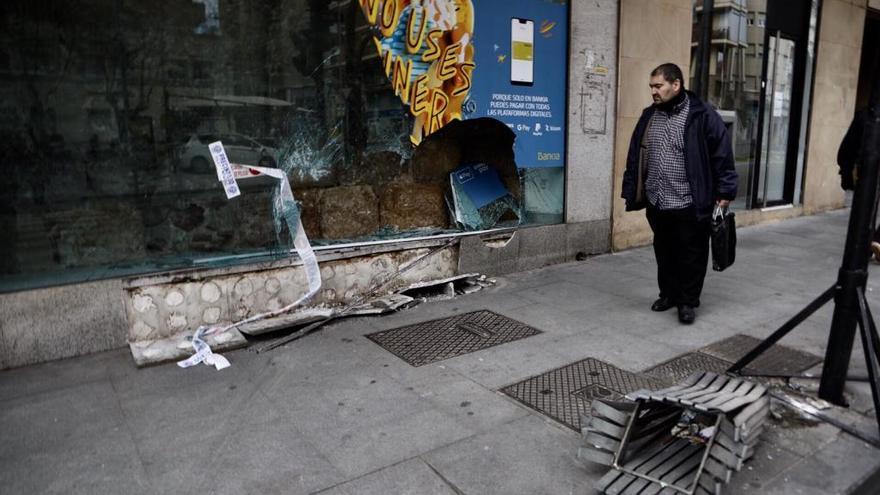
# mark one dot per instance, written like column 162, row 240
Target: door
column 785, row 87
column 775, row 165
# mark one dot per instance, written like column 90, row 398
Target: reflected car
column 194, row 155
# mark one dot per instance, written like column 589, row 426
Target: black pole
column 701, row 78
column 853, row 272
column 783, row 330
column 869, row 343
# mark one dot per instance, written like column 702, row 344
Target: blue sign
column 520, row 76
column 480, row 182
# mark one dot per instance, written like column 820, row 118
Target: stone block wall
column 159, row 309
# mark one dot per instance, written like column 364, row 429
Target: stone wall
column 156, row 310
column 60, row 322
column 645, row 41
column 592, row 81
column 834, row 98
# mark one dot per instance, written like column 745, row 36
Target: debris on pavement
column 406, row 297
column 688, row 438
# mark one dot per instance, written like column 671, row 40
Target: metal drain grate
column 681, row 367
column 436, row 340
column 565, row 393
column 779, row 359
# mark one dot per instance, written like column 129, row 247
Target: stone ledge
column 179, row 346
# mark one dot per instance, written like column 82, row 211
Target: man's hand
column 723, row 203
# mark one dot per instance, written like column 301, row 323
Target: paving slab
column 503, row 460
column 270, row 457
column 838, row 467
column 410, row 477
column 335, row 413
column 70, row 440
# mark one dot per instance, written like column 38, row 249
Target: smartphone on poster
column 522, row 49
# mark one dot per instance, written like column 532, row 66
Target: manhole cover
column 681, row 367
column 436, row 340
column 565, row 393
column 596, row 391
column 778, row 359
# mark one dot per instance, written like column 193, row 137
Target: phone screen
column 522, row 49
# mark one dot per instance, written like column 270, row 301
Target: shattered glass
column 479, row 199
column 109, row 109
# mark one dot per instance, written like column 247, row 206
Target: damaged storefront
column 404, row 129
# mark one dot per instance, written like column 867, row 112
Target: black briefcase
column 723, row 239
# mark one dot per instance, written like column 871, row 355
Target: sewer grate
column 565, row 393
column 778, row 360
column 680, row 367
column 430, row 341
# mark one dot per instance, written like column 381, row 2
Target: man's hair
column 670, row 72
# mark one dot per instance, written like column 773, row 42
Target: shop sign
column 458, row 59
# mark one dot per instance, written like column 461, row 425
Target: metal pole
column 869, row 341
column 782, row 331
column 853, row 272
column 701, row 79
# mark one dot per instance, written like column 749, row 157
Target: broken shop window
column 110, row 109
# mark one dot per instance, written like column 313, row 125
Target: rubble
column 297, row 318
column 690, row 438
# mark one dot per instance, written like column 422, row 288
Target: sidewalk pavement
column 333, row 413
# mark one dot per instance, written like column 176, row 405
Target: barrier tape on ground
column 203, row 353
column 286, row 205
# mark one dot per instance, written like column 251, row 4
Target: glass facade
column 734, row 77
column 109, row 107
column 759, row 78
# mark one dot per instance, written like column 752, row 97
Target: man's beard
column 669, row 104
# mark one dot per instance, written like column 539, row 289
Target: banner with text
column 460, row 59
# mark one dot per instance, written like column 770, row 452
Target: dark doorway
column 781, row 102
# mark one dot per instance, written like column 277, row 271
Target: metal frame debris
column 644, row 444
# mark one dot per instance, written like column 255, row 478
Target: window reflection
column 109, row 106
column 734, row 83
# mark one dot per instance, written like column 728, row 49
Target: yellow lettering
column 446, row 69
column 371, row 10
column 378, row 45
column 390, row 16
column 401, row 80
column 387, row 63
column 419, row 97
column 466, row 76
column 433, row 51
column 413, row 45
column 439, row 102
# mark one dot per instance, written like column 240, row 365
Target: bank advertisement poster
column 462, row 59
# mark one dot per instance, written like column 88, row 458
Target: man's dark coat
column 708, row 160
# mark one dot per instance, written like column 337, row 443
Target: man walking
column 679, row 166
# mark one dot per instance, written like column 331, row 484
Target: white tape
column 203, row 353
column 286, row 205
column 243, row 172
column 224, row 169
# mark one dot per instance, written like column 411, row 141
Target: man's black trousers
column 681, row 245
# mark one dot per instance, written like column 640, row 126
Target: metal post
column 853, row 271
column 869, row 343
column 783, row 331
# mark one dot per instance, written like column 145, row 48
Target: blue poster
column 461, row 59
column 531, row 101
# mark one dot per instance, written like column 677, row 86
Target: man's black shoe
column 662, row 304
column 686, row 314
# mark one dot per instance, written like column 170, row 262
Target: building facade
column 488, row 143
